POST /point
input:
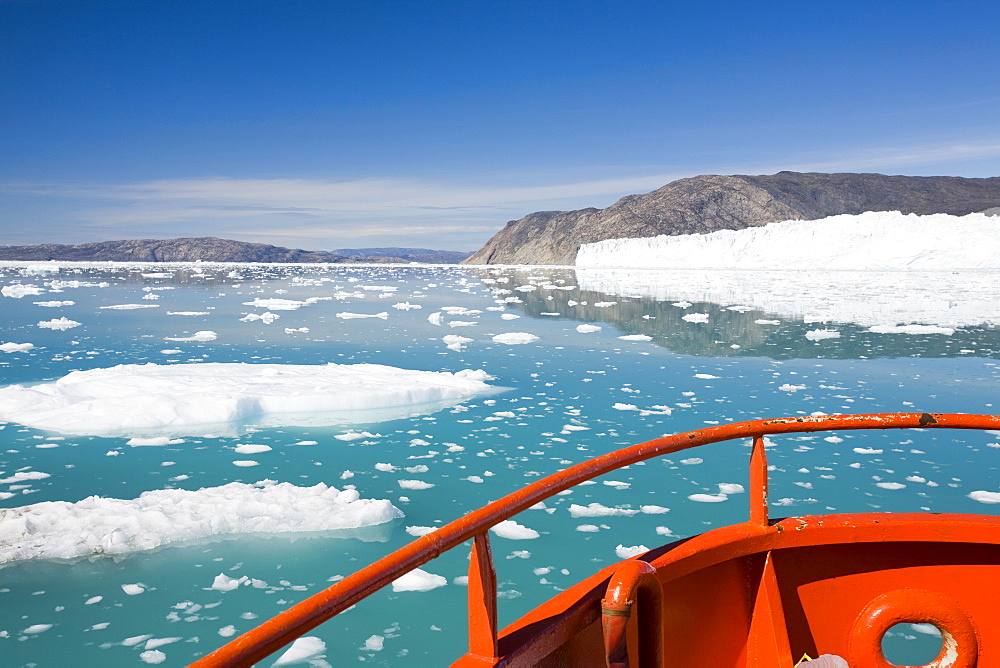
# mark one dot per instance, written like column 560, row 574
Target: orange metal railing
column 282, row 629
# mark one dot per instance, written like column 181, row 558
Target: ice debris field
column 172, row 476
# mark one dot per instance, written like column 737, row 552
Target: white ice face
column 874, row 240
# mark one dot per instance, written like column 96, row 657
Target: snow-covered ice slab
column 887, row 240
column 102, row 526
column 149, row 399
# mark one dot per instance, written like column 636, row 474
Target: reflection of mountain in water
column 770, row 313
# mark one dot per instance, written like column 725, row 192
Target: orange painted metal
column 572, row 620
column 758, row 482
column 482, row 601
column 826, row 571
column 959, row 642
column 767, row 641
column 634, row 579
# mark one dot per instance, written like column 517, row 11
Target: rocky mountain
column 426, row 255
column 209, row 249
column 708, row 203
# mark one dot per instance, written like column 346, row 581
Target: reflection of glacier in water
column 776, row 314
column 949, row 299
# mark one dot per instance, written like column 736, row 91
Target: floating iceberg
column 150, row 399
column 102, row 526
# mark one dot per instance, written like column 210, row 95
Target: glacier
column 874, row 240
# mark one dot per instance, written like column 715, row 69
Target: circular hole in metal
column 911, row 644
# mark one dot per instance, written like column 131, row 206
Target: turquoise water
column 731, row 364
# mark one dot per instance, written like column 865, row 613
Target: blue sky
column 325, row 124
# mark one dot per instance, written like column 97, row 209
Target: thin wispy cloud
column 455, row 214
column 906, row 156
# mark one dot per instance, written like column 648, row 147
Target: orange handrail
column 294, row 622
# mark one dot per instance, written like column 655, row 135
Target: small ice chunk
column 599, row 510
column 307, row 649
column 153, row 643
column 587, row 329
column 203, row 336
column 455, row 342
column 821, row 334
column 514, row 531
column 252, row 448
column 375, row 643
column 419, row 530
column 653, row 510
column 356, row 435
column 133, row 589
column 514, row 338
column 61, row 324
column 695, row 317
column 223, row 582
column 19, row 290
column 135, row 640
column 153, row 656
column 636, row 337
column 418, row 580
column 37, row 628
column 10, row 347
column 983, row 496
column 624, row 552
column 708, row 498
column 415, row 484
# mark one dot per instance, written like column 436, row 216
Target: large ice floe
column 151, row 399
column 103, row 526
column 887, row 240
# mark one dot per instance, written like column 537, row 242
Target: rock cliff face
column 708, row 203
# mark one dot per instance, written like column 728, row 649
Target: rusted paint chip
column 927, row 419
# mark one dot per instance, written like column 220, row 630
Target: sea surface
column 620, row 357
